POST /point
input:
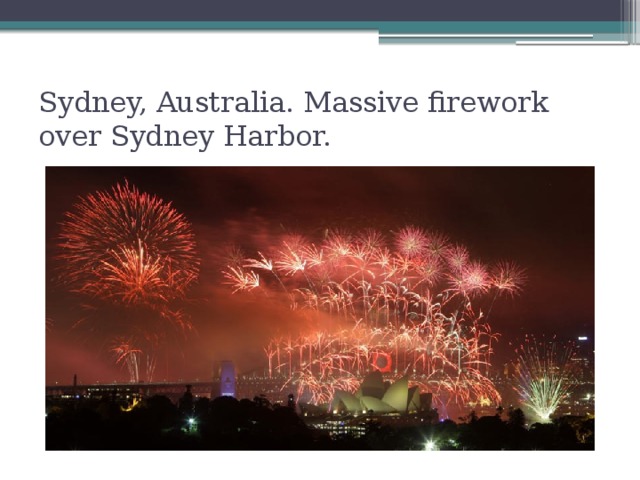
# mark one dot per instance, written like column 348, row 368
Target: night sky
column 540, row 218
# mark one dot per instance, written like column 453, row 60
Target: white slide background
column 594, row 98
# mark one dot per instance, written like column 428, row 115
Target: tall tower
column 227, row 379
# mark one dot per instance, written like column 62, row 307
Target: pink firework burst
column 412, row 241
column 457, row 257
column 338, row 245
column 475, row 278
column 370, row 241
column 472, row 280
column 437, row 244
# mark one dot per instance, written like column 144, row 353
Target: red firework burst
column 508, row 277
column 127, row 246
column 381, row 362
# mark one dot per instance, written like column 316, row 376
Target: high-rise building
column 583, row 360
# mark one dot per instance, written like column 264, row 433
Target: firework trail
column 413, row 305
column 240, row 280
column 126, row 354
column 543, row 375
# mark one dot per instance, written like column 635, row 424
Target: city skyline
column 542, row 219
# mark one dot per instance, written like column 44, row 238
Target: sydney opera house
column 376, row 395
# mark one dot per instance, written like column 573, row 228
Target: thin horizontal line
column 482, row 35
column 560, row 42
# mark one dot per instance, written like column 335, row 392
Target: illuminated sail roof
column 377, row 396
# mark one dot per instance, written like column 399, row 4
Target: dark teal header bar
column 381, row 27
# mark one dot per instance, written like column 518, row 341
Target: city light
column 192, row 424
column 430, row 446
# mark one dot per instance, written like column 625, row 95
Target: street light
column 192, row 423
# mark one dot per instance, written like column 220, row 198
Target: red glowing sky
column 540, row 218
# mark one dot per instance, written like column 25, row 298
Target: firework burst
column 508, row 278
column 412, row 242
column 543, row 376
column 132, row 257
column 413, row 306
column 127, row 246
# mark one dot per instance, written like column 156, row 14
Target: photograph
column 320, row 308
